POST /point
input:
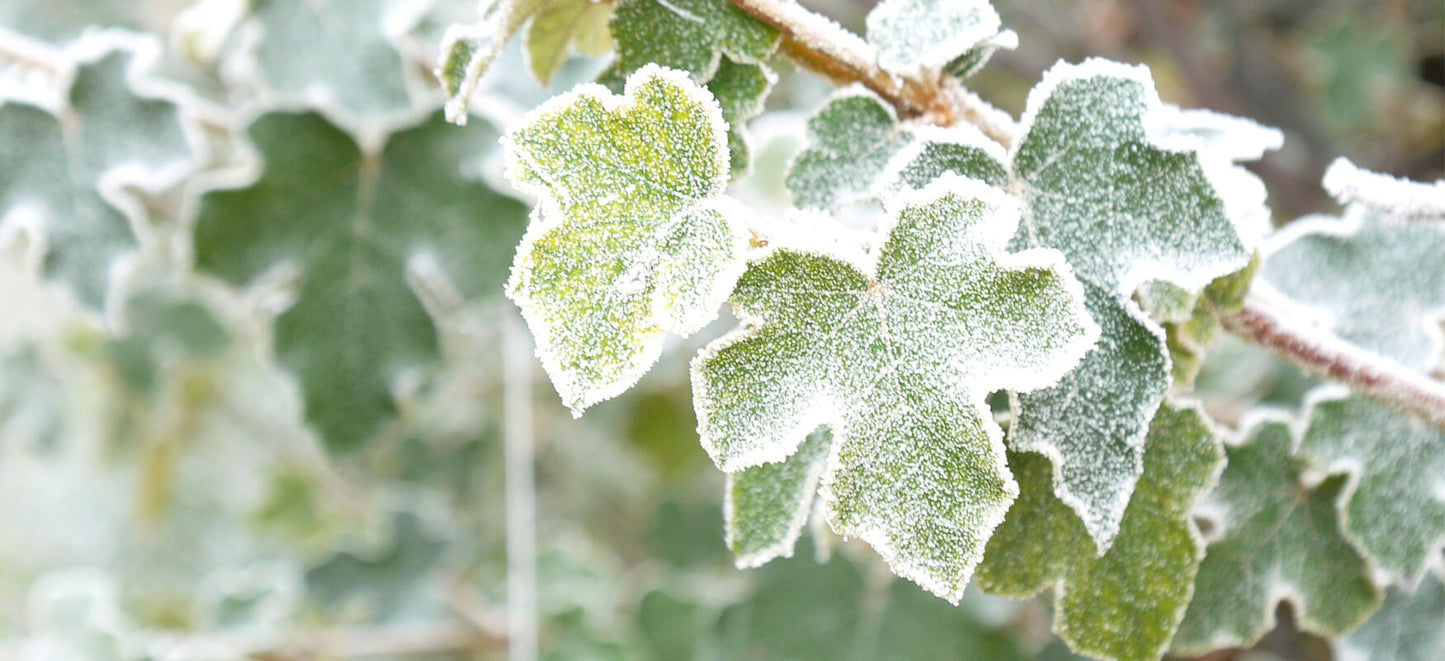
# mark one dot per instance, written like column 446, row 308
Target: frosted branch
column 822, row 46
column 1324, row 355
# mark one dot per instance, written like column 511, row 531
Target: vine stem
column 822, row 46
column 1326, row 355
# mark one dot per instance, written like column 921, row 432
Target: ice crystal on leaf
column 352, row 231
column 691, row 35
column 897, row 355
column 740, row 90
column 850, row 141
column 916, row 38
column 68, row 179
column 1125, row 604
column 766, row 506
column 962, row 150
column 1369, row 277
column 632, row 239
column 1274, row 539
column 1394, row 507
column 1124, row 209
column 1409, row 627
column 1397, row 197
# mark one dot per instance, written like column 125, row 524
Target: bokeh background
column 162, row 497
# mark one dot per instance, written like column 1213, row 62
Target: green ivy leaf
column 1274, row 539
column 850, row 141
column 337, row 56
column 386, row 580
column 467, row 50
column 1393, row 508
column 1127, row 603
column 916, row 38
column 768, row 505
column 561, row 24
column 897, row 356
column 740, row 90
column 962, row 150
column 691, row 35
column 1406, row 628
column 1376, row 283
column 1124, row 210
column 65, row 172
column 1191, row 323
column 353, row 222
column 633, row 239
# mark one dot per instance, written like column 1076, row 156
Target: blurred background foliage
column 162, row 497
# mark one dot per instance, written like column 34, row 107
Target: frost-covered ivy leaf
column 467, row 50
column 66, row 175
column 337, row 56
column 1273, row 539
column 850, row 141
column 916, row 38
column 352, row 229
column 973, row 61
column 1127, row 603
column 1395, row 506
column 1191, row 323
column 962, row 150
column 1389, row 195
column 740, row 90
column 897, row 356
column 561, row 24
column 766, row 506
column 691, row 35
column 1409, row 627
column 1376, row 283
column 1125, row 210
column 633, row 239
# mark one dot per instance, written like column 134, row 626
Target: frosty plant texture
column 970, row 351
column 1081, row 259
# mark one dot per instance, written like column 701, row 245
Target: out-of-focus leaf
column 1409, row 627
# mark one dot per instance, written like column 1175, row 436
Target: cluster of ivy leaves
column 251, row 385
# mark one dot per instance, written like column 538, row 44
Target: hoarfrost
column 1409, row 627
column 1275, row 539
column 1368, row 278
column 897, row 355
column 850, row 142
column 691, row 35
column 766, row 506
column 918, row 38
column 1125, row 210
column 633, row 239
column 1394, row 196
column 1393, row 506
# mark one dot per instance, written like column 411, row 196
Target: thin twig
column 822, row 46
column 1325, row 355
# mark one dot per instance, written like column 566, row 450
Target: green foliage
column 898, row 358
column 849, row 143
column 1126, row 603
column 917, row 37
column 691, row 35
column 353, row 229
column 664, row 270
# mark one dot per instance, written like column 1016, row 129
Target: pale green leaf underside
column 1382, row 283
column 767, row 505
column 1396, row 511
column 334, row 55
column 691, row 35
column 917, row 37
column 1409, row 627
column 1124, row 211
column 1275, row 540
column 1125, row 604
column 898, row 358
column 632, row 239
column 351, row 222
column 850, row 141
column 559, row 25
column 67, row 179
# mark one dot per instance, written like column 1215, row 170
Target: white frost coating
column 1402, row 197
column 1369, row 280
column 557, row 194
column 904, row 392
column 918, row 38
column 818, row 32
column 965, row 135
column 1235, row 138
